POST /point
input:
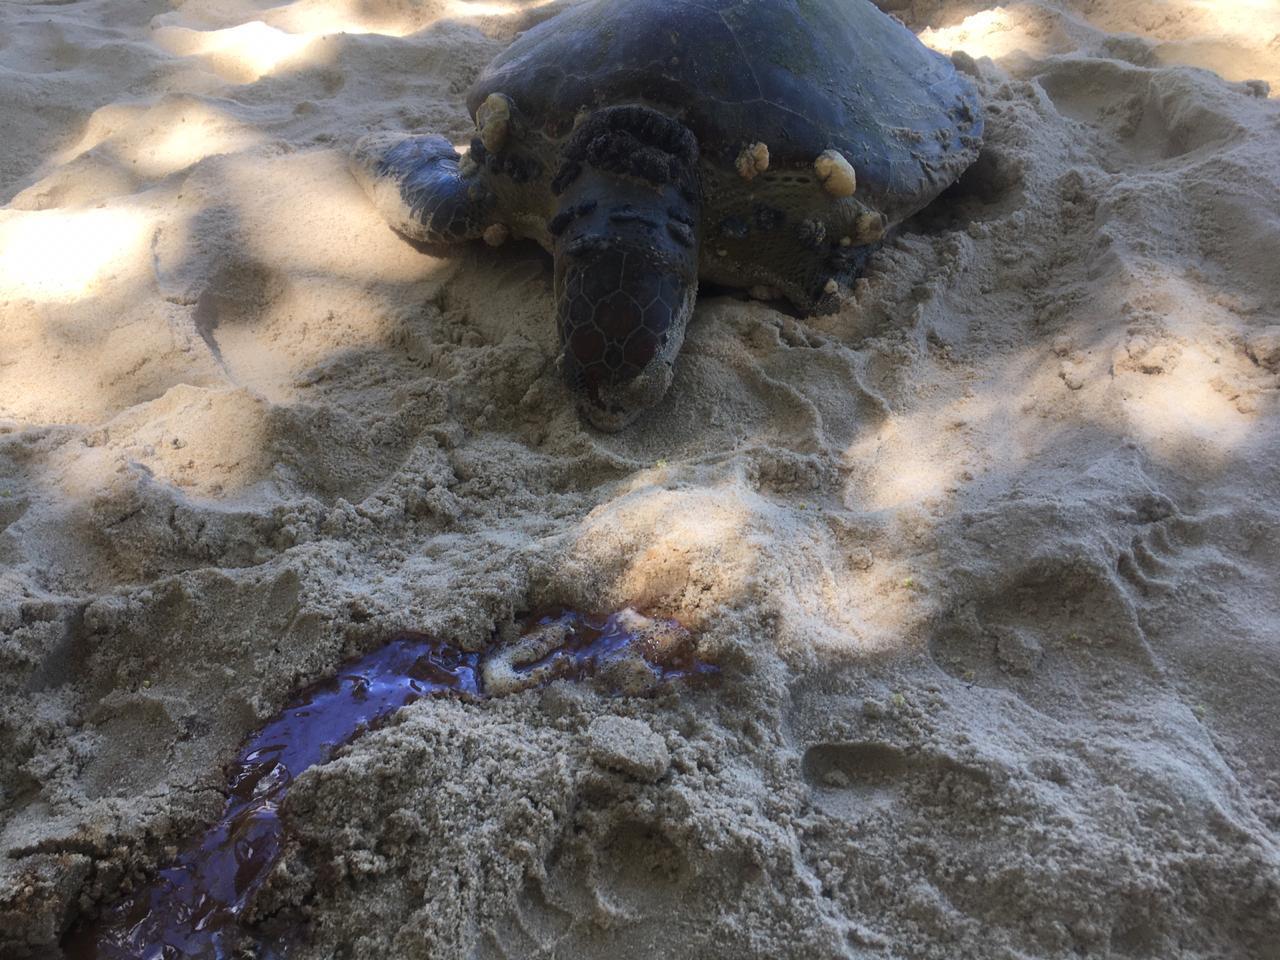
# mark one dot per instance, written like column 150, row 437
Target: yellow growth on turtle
column 835, row 173
column 753, row 159
column 494, row 121
column 870, row 227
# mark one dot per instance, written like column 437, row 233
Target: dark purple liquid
column 192, row 907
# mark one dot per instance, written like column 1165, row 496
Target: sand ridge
column 988, row 557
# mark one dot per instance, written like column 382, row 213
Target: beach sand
column 988, row 559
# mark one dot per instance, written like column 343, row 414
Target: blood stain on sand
column 192, row 907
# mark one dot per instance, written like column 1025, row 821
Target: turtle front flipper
column 419, row 185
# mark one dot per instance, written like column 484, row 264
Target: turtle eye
column 681, row 233
column 557, row 224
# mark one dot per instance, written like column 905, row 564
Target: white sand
column 990, row 558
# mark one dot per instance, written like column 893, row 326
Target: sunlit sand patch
column 916, row 459
column 388, row 19
column 57, row 256
column 1233, row 38
column 82, row 363
column 72, row 329
column 683, row 549
column 206, row 442
column 695, row 550
column 1187, row 410
column 203, row 441
column 90, row 180
column 923, row 459
column 283, row 37
column 159, row 139
column 1183, row 385
column 239, row 54
column 1225, row 57
column 913, row 479
column 1001, row 31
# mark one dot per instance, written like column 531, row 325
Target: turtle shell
column 802, row 76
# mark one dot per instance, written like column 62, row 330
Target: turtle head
column 626, row 259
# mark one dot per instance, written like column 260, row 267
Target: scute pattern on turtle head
column 616, row 317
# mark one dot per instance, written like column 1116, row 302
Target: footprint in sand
column 1153, row 561
column 853, row 779
column 1151, row 116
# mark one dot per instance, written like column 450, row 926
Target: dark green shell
column 802, row 76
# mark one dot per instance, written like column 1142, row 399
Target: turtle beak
column 612, row 407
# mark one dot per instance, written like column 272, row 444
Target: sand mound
column 988, row 558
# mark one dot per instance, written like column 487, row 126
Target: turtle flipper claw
column 417, row 183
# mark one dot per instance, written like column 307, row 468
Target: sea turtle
column 764, row 144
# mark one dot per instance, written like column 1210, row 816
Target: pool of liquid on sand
column 193, row 906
